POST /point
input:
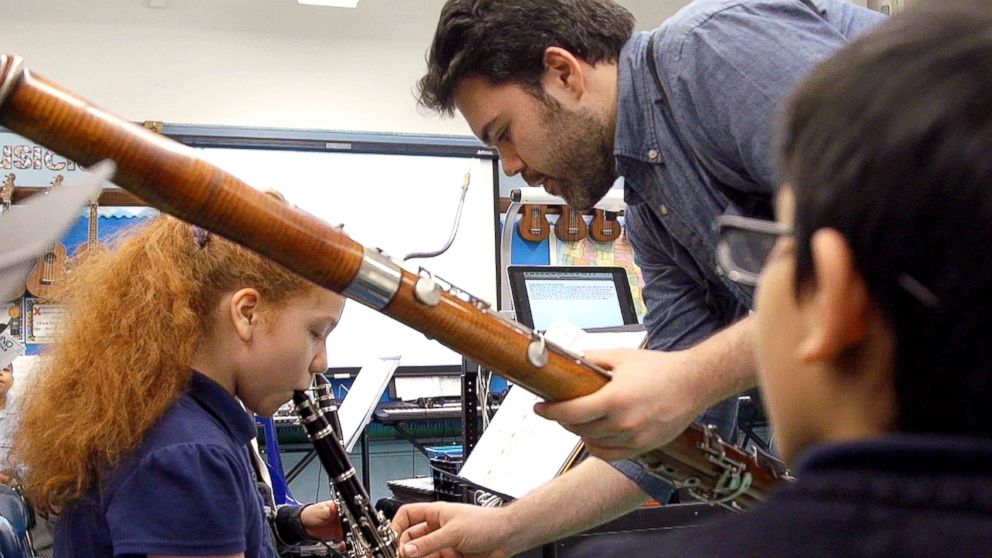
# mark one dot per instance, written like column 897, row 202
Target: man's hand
column 446, row 530
column 652, row 398
column 321, row 521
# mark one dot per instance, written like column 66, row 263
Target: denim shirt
column 702, row 147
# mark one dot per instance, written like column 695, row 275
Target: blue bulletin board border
column 108, row 228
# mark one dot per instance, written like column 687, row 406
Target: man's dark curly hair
column 504, row 41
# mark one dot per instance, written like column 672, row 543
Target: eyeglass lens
column 749, row 249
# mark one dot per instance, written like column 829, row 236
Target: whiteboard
column 400, row 203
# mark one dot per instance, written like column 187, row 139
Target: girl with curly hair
column 134, row 431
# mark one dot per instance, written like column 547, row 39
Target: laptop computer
column 586, row 296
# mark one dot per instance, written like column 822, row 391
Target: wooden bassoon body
column 172, row 178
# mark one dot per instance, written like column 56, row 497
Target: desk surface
column 646, row 527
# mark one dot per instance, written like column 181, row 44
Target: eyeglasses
column 745, row 245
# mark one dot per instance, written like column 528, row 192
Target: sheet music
column 409, row 389
column 520, row 450
column 363, row 396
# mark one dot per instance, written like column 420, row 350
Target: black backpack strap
column 809, row 4
column 653, row 68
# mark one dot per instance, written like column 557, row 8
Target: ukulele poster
column 43, row 320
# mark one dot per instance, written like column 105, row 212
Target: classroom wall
column 266, row 63
column 250, row 63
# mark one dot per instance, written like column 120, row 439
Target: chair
column 15, row 520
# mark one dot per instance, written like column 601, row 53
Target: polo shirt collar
column 223, row 406
column 908, row 453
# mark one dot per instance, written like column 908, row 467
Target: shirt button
column 653, row 154
column 663, row 209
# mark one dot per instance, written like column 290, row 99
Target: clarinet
column 173, row 178
column 327, row 407
column 327, row 404
column 368, row 532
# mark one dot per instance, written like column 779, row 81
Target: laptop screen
column 585, row 296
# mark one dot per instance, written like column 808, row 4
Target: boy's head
column 873, row 316
column 6, row 379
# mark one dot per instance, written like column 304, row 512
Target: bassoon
column 171, row 177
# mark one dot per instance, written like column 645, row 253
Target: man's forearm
column 593, row 493
column 724, row 365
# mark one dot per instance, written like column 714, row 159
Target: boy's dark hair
column 890, row 143
column 504, row 41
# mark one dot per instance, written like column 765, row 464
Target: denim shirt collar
column 223, row 406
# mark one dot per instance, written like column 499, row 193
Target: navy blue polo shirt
column 187, row 490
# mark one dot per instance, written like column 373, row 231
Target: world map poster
column 590, row 252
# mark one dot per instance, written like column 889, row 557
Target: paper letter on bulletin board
column 43, row 320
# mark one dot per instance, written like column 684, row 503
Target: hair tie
column 200, row 236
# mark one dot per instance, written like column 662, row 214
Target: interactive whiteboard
column 400, row 203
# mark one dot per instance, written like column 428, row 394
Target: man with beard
column 573, row 99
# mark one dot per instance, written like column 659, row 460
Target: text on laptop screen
column 586, row 299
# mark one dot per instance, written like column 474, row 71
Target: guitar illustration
column 533, row 226
column 605, row 226
column 50, row 269
column 92, row 236
column 7, row 193
column 7, row 198
column 571, row 226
